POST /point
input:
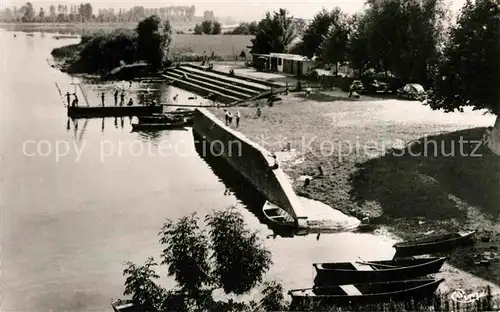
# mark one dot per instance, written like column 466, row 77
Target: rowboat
column 125, row 306
column 433, row 243
column 159, row 126
column 182, row 111
column 367, row 293
column 338, row 273
column 163, row 118
column 278, row 216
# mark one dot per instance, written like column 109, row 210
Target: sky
column 240, row 10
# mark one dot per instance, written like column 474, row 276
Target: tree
column 316, row 31
column 358, row 42
column 28, row 12
column 87, row 12
column 402, row 36
column 153, row 40
column 240, row 260
column 190, row 268
column 41, row 14
column 206, row 27
column 275, row 33
column 52, row 12
column 216, row 28
column 469, row 71
column 228, row 256
column 334, row 47
column 198, row 30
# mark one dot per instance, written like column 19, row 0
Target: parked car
column 412, row 91
column 375, row 86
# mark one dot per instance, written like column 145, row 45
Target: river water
column 69, row 222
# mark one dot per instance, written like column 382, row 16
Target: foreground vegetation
column 223, row 254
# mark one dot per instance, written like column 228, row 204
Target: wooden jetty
column 112, row 111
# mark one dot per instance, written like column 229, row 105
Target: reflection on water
column 68, row 224
column 235, row 183
column 323, row 219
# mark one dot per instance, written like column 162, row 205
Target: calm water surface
column 68, row 223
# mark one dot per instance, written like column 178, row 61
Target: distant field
column 224, row 46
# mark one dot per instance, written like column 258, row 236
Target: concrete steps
column 260, row 87
column 229, row 85
column 262, row 82
column 213, row 84
column 179, row 81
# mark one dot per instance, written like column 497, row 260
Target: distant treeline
column 63, row 13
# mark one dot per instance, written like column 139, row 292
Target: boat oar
column 377, row 264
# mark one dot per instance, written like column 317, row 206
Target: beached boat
column 338, row 273
column 159, row 126
column 278, row 216
column 431, row 244
column 367, row 293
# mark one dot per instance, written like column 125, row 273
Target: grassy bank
column 411, row 191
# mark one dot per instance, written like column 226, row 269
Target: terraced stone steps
column 229, row 85
column 213, row 85
column 178, row 80
column 268, row 84
column 260, row 87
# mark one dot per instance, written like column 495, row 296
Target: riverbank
column 411, row 191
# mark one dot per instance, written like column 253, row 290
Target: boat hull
column 112, row 111
column 424, row 247
column 390, row 270
column 395, row 292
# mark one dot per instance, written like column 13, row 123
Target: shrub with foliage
column 228, row 256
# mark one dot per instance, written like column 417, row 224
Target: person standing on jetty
column 238, row 119
column 75, row 101
column 259, row 112
column 226, row 116
column 116, row 97
column 68, row 98
column 230, row 118
column 102, row 98
column 122, row 98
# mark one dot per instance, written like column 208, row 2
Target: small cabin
column 292, row 64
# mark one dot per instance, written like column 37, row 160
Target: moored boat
column 367, row 293
column 111, row 111
column 165, row 118
column 182, row 111
column 278, row 216
column 432, row 244
column 159, row 126
column 338, row 273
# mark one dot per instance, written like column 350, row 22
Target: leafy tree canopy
column 153, row 38
column 469, row 72
column 227, row 256
column 275, row 33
